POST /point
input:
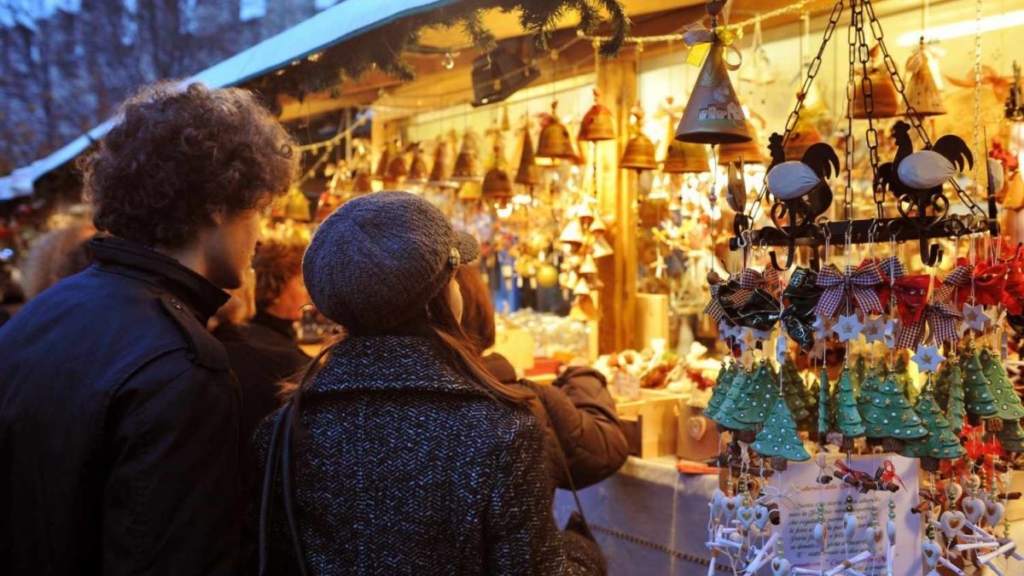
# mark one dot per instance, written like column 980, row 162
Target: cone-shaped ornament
column 554, row 142
column 383, row 163
column 527, row 174
column 750, row 151
column 582, row 288
column 418, row 172
column 583, row 309
column 597, row 123
column 685, row 158
column 598, row 226
column 588, row 266
column 497, row 186
column 713, row 114
column 362, row 183
column 922, row 92
column 572, row 234
column 297, row 206
column 439, row 176
column 397, row 170
column 639, row 152
column 803, row 135
column 602, row 248
column 467, row 163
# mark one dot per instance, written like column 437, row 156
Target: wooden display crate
column 651, row 423
column 697, row 438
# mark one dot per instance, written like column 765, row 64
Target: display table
column 650, row 520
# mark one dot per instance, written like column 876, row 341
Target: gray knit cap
column 380, row 258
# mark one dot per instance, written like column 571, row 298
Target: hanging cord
column 978, row 151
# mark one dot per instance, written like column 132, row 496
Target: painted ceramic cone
column 883, row 95
column 572, row 234
column 527, row 174
column 467, row 165
column 685, row 158
column 922, row 92
column 602, row 248
column 713, row 114
column 439, row 176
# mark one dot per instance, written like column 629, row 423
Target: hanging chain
column 977, row 95
column 851, row 97
column 812, row 73
column 864, row 53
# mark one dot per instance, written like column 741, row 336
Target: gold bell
column 597, row 123
column 497, row 186
column 685, row 158
column 639, row 152
column 383, row 163
column 363, row 183
column 470, row 190
column 803, row 135
column 527, row 174
column 749, row 151
column 573, row 234
column 439, row 176
column 418, row 172
column 467, row 165
column 554, row 142
column 713, row 114
column 922, row 92
column 297, row 206
column 397, row 170
column 883, row 96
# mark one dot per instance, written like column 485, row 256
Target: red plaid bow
column 751, row 280
column 858, row 284
column 915, row 311
column 1013, row 291
column 714, row 307
column 988, row 284
column 892, row 269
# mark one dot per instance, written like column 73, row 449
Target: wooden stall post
column 617, row 197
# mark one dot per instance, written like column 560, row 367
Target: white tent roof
column 343, row 21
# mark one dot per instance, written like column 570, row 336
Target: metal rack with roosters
column 800, row 194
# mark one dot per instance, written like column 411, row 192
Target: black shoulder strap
column 204, row 349
column 279, row 460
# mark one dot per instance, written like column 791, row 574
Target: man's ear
column 218, row 217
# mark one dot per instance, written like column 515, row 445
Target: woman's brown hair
column 439, row 325
column 276, row 262
column 477, row 309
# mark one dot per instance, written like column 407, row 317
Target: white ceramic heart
column 745, row 514
column 873, row 539
column 973, row 482
column 953, row 493
column 952, row 523
column 974, row 508
column 820, row 533
column 781, row 567
column 729, row 507
column 932, row 552
column 849, row 526
column 761, row 516
column 994, row 512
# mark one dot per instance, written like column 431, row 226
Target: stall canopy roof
column 340, row 22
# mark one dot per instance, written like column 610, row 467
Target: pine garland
column 384, row 48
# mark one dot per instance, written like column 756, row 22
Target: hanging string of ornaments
column 951, row 328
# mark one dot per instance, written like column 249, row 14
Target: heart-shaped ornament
column 873, row 538
column 973, row 482
column 849, row 526
column 931, row 552
column 745, row 514
column 781, row 567
column 717, row 503
column 820, row 533
column 952, row 524
column 994, row 512
column 698, row 427
column 953, row 493
column 973, row 508
column 730, row 505
column 761, row 516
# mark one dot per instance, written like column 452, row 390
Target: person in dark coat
column 406, row 456
column 577, row 411
column 119, row 447
column 257, row 330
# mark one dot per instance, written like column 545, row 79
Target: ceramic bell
column 396, row 171
column 418, row 172
column 572, row 234
column 803, row 135
column 362, row 183
column 713, row 113
column 382, row 164
column 597, row 123
column 439, row 176
column 297, row 206
column 470, row 190
column 467, row 163
column 527, row 174
column 922, row 92
column 497, row 186
column 554, row 142
column 883, row 95
column 602, row 248
column 685, row 158
column 639, row 152
column 749, row 151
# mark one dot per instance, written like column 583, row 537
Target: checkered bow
column 714, row 307
column 857, row 284
column 940, row 314
column 751, row 280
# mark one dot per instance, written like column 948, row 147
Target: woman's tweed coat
column 404, row 467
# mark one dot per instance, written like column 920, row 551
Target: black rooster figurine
column 801, row 187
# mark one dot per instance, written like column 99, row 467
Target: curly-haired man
column 119, row 442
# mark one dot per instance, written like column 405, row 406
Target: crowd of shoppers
column 136, row 440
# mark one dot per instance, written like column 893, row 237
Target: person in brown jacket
column 576, row 411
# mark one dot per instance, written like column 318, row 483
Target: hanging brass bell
column 803, row 135
column 922, row 92
column 297, row 206
column 382, row 164
column 418, row 172
column 467, row 164
column 397, row 171
column 363, row 183
column 685, row 158
column 885, row 99
column 713, row 113
column 572, row 234
column 439, row 172
column 639, row 152
column 527, row 174
column 749, row 151
column 554, row 142
column 497, row 185
column 597, row 123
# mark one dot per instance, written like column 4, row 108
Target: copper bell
column 713, row 114
column 597, row 123
column 439, row 176
column 382, row 164
column 922, row 92
column 467, row 165
column 363, row 183
column 554, row 142
column 397, row 170
column 639, row 152
column 527, row 174
column 497, row 186
column 749, row 151
column 297, row 206
column 884, row 98
column 418, row 172
column 803, row 135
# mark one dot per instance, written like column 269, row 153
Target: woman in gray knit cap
column 399, row 453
